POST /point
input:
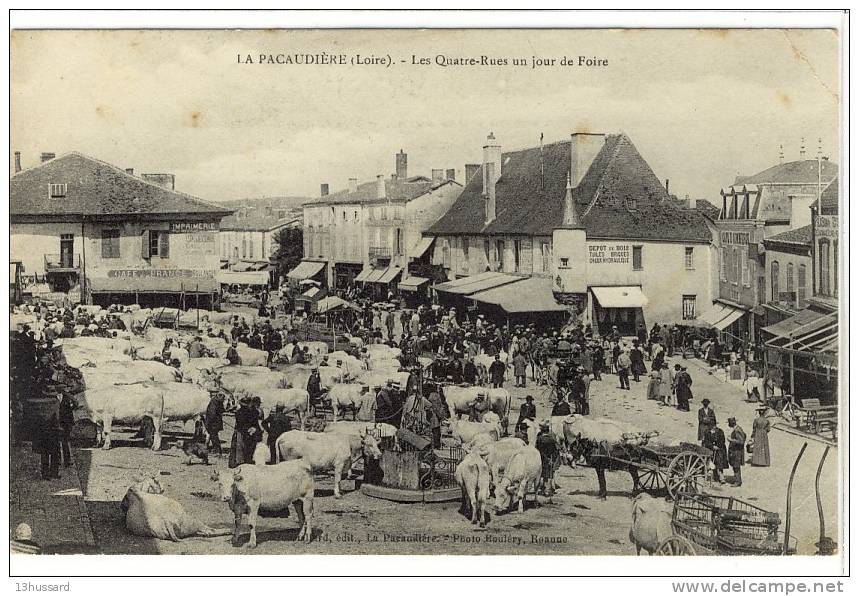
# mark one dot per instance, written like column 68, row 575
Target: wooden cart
column 673, row 469
column 715, row 525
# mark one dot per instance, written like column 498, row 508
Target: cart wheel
column 684, row 473
column 650, row 480
column 676, row 546
column 147, row 429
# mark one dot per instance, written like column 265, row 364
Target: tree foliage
column 290, row 248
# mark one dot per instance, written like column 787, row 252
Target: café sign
column 162, row 273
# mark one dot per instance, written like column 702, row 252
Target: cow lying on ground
column 150, row 514
column 472, row 475
column 651, row 523
column 251, row 488
column 522, row 472
column 326, row 451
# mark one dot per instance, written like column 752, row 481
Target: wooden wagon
column 715, row 525
column 670, row 470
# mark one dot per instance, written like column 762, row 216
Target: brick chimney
column 323, row 190
column 129, row 171
column 167, row 181
column 353, row 184
column 470, row 170
column 48, row 156
column 17, row 161
column 584, row 147
column 490, row 195
column 690, row 202
column 380, row 187
column 437, row 175
column 450, row 174
column 402, row 160
column 491, row 154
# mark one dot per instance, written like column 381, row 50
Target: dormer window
column 57, row 191
column 631, row 204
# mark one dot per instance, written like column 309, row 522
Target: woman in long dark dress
column 637, row 366
column 760, row 436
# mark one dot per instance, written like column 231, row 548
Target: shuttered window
column 110, row 244
column 155, row 243
column 637, row 264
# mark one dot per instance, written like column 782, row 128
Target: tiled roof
column 94, row 187
column 795, row 172
column 257, row 219
column 796, row 236
column 619, row 197
column 395, row 190
column 707, row 208
column 829, row 199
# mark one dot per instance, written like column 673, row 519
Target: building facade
column 250, row 234
column 588, row 224
column 374, row 229
column 755, row 208
column 100, row 234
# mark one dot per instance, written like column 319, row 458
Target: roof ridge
column 621, row 137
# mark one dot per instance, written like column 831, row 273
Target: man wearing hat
column 623, row 364
column 275, row 425
column 706, row 418
column 244, row 438
column 549, row 456
column 714, row 440
column 682, row 387
column 736, row 450
column 384, row 404
column 496, row 372
column 233, row 353
column 214, row 420
column 67, row 422
column 527, row 411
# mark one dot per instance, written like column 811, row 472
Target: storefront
column 618, row 306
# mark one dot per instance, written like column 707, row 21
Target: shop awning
column 305, row 270
column 243, row 278
column 330, row 303
column 412, row 283
column 721, row 315
column 421, row 246
column 620, row 296
column 365, row 273
column 389, row 275
column 310, row 293
column 153, row 285
column 806, row 331
column 477, row 283
column 531, row 294
column 374, row 276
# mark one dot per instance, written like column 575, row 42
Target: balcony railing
column 62, row 262
column 380, row 252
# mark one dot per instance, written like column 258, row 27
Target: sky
column 701, row 106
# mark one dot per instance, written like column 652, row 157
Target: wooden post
column 792, row 390
column 197, row 297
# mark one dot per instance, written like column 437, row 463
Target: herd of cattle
column 125, row 382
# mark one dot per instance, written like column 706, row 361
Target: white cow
column 523, row 470
column 461, row 399
column 345, row 396
column 246, row 379
column 149, row 371
column 78, row 357
column 152, row 403
column 465, row 431
column 326, row 451
column 472, row 475
column 380, row 430
column 199, row 370
column 498, row 454
column 293, row 400
column 251, row 488
column 651, row 523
